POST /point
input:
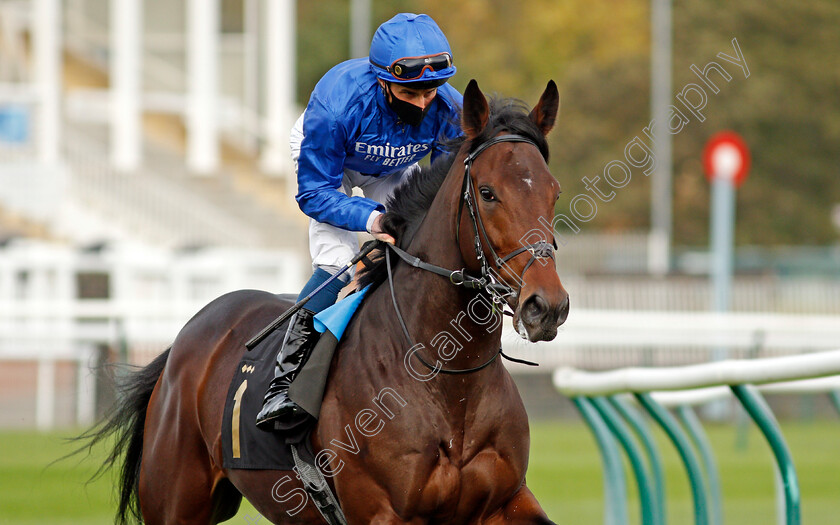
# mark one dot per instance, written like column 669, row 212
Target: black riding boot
column 297, row 345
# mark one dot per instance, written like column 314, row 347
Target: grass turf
column 564, row 473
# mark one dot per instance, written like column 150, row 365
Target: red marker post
column 726, row 157
column 727, row 162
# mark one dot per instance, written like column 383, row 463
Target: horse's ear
column 545, row 112
column 476, row 111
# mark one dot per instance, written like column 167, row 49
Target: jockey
column 367, row 124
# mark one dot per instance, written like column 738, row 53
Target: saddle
column 244, row 445
column 247, row 447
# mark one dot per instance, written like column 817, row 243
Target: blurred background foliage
column 788, row 110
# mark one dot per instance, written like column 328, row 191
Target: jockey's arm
column 321, row 171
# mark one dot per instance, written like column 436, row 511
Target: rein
column 411, row 341
column 498, row 291
column 425, row 363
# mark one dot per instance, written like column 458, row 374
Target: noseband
column 498, row 290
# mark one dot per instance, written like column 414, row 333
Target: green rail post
column 615, row 489
column 683, row 446
column 701, row 443
column 647, row 497
column 834, row 395
column 640, row 427
column 758, row 410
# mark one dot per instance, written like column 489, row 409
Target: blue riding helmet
column 410, row 49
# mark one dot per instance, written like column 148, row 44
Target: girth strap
column 316, row 486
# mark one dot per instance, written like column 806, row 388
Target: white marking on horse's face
column 528, row 181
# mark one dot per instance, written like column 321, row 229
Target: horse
column 450, row 441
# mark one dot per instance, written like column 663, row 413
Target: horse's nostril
column 535, row 309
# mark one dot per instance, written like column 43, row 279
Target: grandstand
column 88, row 189
column 144, row 170
column 132, row 190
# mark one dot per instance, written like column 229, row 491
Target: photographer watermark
column 617, row 174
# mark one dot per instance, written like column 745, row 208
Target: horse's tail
column 125, row 423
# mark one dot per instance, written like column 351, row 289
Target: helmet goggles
column 412, row 68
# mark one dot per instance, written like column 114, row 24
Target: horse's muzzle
column 538, row 319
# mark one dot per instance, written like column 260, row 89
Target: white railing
column 704, row 395
column 572, row 382
column 750, row 293
column 612, row 338
column 61, row 305
column 599, row 396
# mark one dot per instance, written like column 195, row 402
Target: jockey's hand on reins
column 379, row 233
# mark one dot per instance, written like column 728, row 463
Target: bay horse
column 454, row 446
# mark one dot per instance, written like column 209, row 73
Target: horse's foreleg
column 521, row 509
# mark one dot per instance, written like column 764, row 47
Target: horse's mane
column 408, row 205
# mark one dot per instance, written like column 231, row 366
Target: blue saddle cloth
column 336, row 318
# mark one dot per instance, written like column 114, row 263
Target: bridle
column 499, row 291
column 538, row 250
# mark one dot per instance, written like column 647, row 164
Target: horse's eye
column 486, row 194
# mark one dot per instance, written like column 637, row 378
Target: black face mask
column 407, row 112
